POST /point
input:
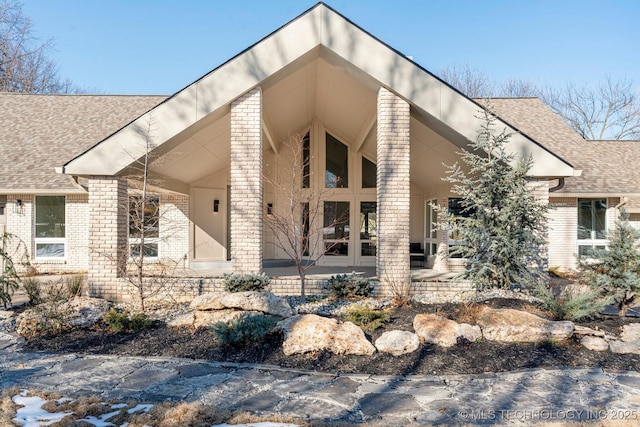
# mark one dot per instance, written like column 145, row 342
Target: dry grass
column 468, row 312
column 7, row 407
column 194, row 414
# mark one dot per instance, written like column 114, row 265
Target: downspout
column 557, row 187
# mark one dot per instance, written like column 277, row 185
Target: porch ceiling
column 313, row 89
column 322, row 89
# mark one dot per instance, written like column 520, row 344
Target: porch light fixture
column 269, row 208
column 19, row 202
column 216, row 205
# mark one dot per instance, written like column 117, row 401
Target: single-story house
column 377, row 128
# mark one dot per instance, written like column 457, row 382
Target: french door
column 350, row 233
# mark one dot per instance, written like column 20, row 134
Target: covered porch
column 378, row 134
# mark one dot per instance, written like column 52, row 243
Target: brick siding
column 393, row 195
column 246, row 182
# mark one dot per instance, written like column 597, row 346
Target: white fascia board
column 215, row 90
column 319, row 26
column 43, row 191
column 403, row 77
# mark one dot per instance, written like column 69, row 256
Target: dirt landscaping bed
column 464, row 358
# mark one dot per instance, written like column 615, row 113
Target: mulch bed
column 465, row 358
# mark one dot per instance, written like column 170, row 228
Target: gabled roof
column 608, row 167
column 40, row 132
column 319, row 32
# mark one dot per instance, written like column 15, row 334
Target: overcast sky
column 161, row 46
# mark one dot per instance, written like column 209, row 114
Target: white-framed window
column 337, row 163
column 144, row 218
column 431, row 227
column 50, row 222
column 3, row 205
column 592, row 226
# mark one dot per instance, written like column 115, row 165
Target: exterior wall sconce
column 269, row 208
column 216, row 206
column 19, row 206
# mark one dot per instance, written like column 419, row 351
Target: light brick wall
column 20, row 224
column 246, row 182
column 563, row 232
column 77, row 232
column 174, row 228
column 393, row 195
column 108, row 222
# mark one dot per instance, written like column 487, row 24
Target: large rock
column 631, row 332
column 625, row 347
column 85, row 311
column 434, row 329
column 629, row 340
column 397, row 342
column 510, row 325
column 310, row 332
column 594, row 343
column 78, row 312
column 264, row 302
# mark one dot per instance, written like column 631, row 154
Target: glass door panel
column 336, row 228
column 368, row 229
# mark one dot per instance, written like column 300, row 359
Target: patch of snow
column 141, row 407
column 31, row 414
column 100, row 421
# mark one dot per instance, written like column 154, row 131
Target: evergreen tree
column 503, row 228
column 616, row 272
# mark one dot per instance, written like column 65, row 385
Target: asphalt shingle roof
column 607, row 166
column 41, row 132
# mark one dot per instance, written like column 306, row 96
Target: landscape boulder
column 264, row 302
column 594, row 343
column 508, row 325
column 310, row 332
column 434, row 329
column 397, row 343
column 85, row 311
column 79, row 312
column 629, row 340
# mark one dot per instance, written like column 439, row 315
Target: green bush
column 246, row 282
column 246, row 328
column 349, row 286
column 367, row 318
column 615, row 272
column 33, row 288
column 572, row 304
column 119, row 321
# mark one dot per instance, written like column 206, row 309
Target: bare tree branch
column 24, row 63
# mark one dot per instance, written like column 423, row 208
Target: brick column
column 393, row 194
column 246, row 182
column 108, row 222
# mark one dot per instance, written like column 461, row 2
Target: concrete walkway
column 562, row 395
